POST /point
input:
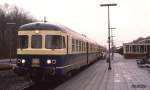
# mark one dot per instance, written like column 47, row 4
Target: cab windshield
column 54, row 42
column 36, row 41
column 23, row 41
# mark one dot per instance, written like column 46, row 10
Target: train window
column 23, row 41
column 54, row 42
column 77, row 45
column 82, row 46
column 73, row 45
column 36, row 41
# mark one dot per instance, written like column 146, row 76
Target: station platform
column 125, row 75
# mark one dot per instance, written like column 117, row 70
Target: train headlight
column 37, row 31
column 18, row 60
column 23, row 61
column 53, row 61
column 48, row 61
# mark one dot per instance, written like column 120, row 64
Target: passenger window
column 77, row 45
column 82, row 46
column 73, row 45
column 36, row 41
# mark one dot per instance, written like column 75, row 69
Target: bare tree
column 11, row 14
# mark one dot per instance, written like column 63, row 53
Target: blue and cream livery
column 46, row 49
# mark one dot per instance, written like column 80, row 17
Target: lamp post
column 112, row 43
column 108, row 5
column 112, row 47
column 10, row 44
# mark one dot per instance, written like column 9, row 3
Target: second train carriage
column 46, row 49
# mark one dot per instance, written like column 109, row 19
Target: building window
column 145, row 48
column 141, row 48
column 134, row 48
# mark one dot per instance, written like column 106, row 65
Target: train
column 48, row 50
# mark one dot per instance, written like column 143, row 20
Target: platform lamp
column 108, row 5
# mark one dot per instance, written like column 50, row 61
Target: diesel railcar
column 53, row 50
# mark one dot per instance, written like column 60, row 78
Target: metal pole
column 112, row 43
column 10, row 42
column 10, row 47
column 112, row 47
column 109, row 67
column 113, row 4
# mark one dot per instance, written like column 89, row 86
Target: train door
column 87, row 52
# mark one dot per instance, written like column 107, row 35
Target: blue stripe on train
column 64, row 63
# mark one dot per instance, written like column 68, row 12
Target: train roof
column 41, row 26
column 53, row 26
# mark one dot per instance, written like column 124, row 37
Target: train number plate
column 35, row 62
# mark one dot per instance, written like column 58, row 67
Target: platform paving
column 125, row 75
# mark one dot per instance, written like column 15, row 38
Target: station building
column 137, row 49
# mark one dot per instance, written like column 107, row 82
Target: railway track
column 53, row 84
column 25, row 86
column 41, row 86
column 10, row 81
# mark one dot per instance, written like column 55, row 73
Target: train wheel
column 65, row 77
column 70, row 74
column 20, row 72
column 36, row 79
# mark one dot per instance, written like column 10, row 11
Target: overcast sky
column 131, row 18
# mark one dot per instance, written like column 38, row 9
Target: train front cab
column 41, row 52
